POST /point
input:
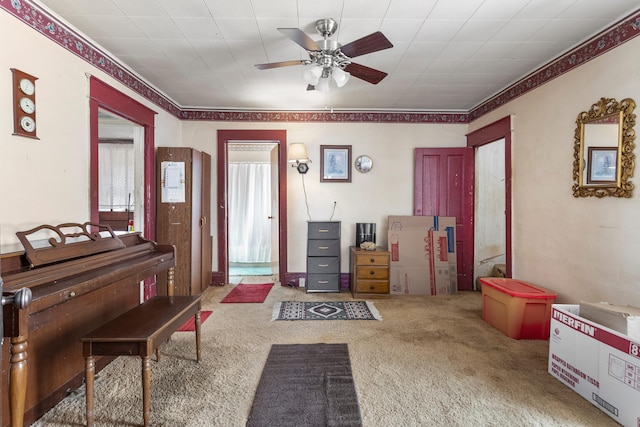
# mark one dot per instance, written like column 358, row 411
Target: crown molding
column 51, row 27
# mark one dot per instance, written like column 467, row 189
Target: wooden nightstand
column 369, row 272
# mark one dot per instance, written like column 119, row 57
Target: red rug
column 248, row 293
column 190, row 325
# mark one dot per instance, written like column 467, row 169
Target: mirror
column 603, row 159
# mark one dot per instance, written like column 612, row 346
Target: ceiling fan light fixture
column 323, row 85
column 340, row 76
column 312, row 74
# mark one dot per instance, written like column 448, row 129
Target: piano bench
column 139, row 332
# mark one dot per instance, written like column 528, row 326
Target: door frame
column 278, row 137
column 497, row 130
column 106, row 97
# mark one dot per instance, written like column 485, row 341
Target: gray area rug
column 306, row 385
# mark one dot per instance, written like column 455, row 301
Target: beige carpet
column 432, row 361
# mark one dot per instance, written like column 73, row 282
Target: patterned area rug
column 341, row 310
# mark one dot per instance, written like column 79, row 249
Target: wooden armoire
column 183, row 213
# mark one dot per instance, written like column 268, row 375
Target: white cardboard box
column 598, row 363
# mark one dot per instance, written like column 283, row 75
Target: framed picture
column 603, row 165
column 335, row 163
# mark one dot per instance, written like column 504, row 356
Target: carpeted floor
column 306, row 385
column 433, row 361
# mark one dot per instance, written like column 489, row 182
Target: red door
column 443, row 186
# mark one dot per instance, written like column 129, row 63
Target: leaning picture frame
column 602, row 165
column 335, row 163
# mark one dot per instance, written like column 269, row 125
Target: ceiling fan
column 329, row 59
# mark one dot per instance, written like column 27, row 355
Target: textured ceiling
column 447, row 55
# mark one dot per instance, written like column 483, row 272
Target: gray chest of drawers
column 323, row 256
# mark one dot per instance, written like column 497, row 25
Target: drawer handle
column 72, row 294
column 372, row 273
column 372, row 287
column 323, row 247
column 323, row 281
column 323, row 265
column 372, row 260
column 323, row 231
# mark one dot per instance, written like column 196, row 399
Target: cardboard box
column 409, row 280
column 598, row 363
column 420, row 255
column 448, row 224
column 518, row 309
column 438, row 263
column 622, row 318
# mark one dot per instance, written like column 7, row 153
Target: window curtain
column 115, row 176
column 249, row 207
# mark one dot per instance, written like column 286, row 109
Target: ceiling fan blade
column 367, row 44
column 279, row 64
column 367, row 74
column 301, row 38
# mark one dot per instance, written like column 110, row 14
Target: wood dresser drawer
column 372, row 272
column 372, row 286
column 371, row 258
column 369, row 272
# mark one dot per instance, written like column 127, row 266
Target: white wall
column 47, row 180
column 583, row 248
column 386, row 190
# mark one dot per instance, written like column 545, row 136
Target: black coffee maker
column 365, row 232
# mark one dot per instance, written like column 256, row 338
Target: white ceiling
column 447, row 56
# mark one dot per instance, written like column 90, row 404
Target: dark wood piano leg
column 89, row 372
column 171, row 285
column 146, row 389
column 197, row 328
column 17, row 379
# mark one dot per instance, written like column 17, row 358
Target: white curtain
column 115, row 176
column 249, row 208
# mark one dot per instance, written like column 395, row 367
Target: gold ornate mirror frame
column 603, row 159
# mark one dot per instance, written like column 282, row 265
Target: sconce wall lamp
column 298, row 157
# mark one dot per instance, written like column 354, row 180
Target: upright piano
column 83, row 276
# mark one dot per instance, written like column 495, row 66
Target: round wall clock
column 27, row 86
column 24, row 104
column 27, row 105
column 364, row 164
column 27, row 124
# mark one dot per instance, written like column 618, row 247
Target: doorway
column 252, row 207
column 120, row 172
column 486, row 136
column 278, row 138
column 489, row 224
column 107, row 100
